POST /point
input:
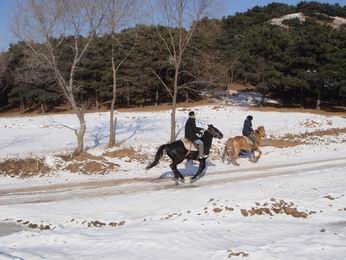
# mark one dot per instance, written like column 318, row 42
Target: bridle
column 213, row 133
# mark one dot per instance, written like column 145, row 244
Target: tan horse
column 236, row 144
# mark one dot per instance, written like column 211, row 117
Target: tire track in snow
column 95, row 189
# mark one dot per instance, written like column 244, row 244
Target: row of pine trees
column 301, row 63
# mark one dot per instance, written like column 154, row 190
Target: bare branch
column 56, row 123
column 163, row 83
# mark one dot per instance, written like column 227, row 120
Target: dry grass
column 86, row 163
column 23, row 168
column 273, row 208
column 152, row 108
column 129, row 153
column 237, row 253
column 341, row 111
column 291, row 140
column 282, row 143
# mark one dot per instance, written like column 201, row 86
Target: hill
column 302, row 62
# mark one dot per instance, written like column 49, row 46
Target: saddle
column 248, row 140
column 189, row 145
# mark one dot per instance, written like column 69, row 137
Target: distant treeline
column 298, row 62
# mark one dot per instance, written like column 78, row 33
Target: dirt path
column 95, row 189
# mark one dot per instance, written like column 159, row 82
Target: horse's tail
column 158, row 156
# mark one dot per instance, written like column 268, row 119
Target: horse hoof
column 182, row 180
column 236, row 164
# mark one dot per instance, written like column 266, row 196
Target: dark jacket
column 191, row 129
column 247, row 129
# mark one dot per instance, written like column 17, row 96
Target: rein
column 212, row 132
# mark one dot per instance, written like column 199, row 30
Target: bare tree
column 46, row 25
column 181, row 19
column 118, row 15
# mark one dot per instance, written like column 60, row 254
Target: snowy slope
column 23, row 136
column 336, row 23
column 44, row 136
column 118, row 217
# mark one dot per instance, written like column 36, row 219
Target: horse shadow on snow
column 190, row 169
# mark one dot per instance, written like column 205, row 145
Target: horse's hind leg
column 177, row 174
column 225, row 155
column 235, row 157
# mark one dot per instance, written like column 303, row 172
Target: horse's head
column 215, row 132
column 261, row 131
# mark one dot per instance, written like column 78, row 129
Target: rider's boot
column 201, row 154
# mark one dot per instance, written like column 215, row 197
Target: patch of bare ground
column 31, row 225
column 232, row 253
column 129, row 153
column 97, row 223
column 282, row 143
column 23, row 168
column 291, row 140
column 274, row 208
column 330, row 197
column 172, row 215
column 86, row 163
column 182, row 106
column 151, row 108
column 341, row 111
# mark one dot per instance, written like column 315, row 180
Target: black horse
column 177, row 152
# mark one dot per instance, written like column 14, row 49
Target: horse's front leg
column 177, row 174
column 200, row 169
column 253, row 157
column 259, row 155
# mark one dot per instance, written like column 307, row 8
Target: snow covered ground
column 337, row 21
column 290, row 205
column 250, row 98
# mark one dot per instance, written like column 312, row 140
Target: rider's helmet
column 250, row 118
column 191, row 113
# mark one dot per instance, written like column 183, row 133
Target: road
column 94, row 189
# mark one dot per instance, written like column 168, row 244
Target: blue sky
column 7, row 8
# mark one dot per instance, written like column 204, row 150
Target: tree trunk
column 318, row 102
column 97, row 105
column 22, row 106
column 186, row 97
column 112, row 125
column 229, row 82
column 43, row 108
column 302, row 96
column 174, row 104
column 112, row 121
column 333, row 95
column 157, row 97
column 80, row 134
column 173, row 123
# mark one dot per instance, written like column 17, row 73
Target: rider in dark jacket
column 191, row 131
column 249, row 132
